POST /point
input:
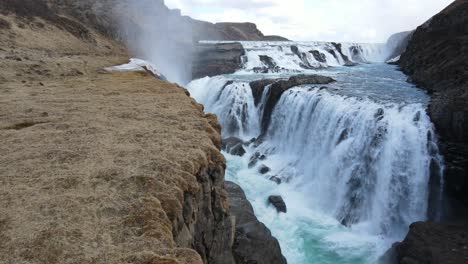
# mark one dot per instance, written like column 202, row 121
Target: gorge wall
column 437, row 60
column 101, row 167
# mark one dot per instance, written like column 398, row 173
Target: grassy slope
column 93, row 165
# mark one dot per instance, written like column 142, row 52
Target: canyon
column 122, row 167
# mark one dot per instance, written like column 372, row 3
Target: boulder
column 276, row 179
column 255, row 158
column 278, row 202
column 253, row 242
column 264, row 169
column 320, row 57
column 233, row 146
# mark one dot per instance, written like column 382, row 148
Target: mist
column 154, row 33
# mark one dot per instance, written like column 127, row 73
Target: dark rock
column 4, row 24
column 278, row 87
column 258, row 87
column 343, row 136
column 347, row 61
column 379, row 114
column 434, row 243
column 390, row 256
column 233, row 146
column 255, row 158
column 205, row 224
column 253, row 242
column 320, row 57
column 270, row 65
column 436, row 59
column 264, row 169
column 217, row 59
column 305, row 63
column 278, row 202
column 276, row 179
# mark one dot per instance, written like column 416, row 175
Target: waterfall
column 275, row 57
column 342, row 151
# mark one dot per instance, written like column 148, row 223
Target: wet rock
column 320, row 57
column 278, row 202
column 270, row 64
column 255, row 158
column 434, row 243
column 346, row 59
column 305, row 63
column 253, row 242
column 264, row 169
column 276, row 179
column 343, row 136
column 278, row 87
column 379, row 114
column 233, row 146
column 216, row 59
column 417, row 117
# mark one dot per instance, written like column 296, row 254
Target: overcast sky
column 327, row 20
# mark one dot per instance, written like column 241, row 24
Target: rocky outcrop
column 233, row 146
column 436, row 59
column 253, row 242
column 278, row 87
column 217, row 59
column 346, row 59
column 269, row 65
column 278, row 202
column 434, row 243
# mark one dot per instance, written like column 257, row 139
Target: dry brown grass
column 93, row 166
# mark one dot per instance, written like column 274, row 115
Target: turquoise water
column 305, row 235
column 356, row 152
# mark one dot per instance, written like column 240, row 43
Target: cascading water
column 280, row 56
column 355, row 157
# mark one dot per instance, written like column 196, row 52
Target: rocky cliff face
column 217, row 59
column 434, row 243
column 101, row 167
column 253, row 241
column 437, row 60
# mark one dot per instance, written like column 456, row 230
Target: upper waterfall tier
column 283, row 56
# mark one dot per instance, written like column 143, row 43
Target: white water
column 357, row 152
column 288, row 61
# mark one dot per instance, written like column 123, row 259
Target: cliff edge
column 437, row 60
column 96, row 166
column 101, row 167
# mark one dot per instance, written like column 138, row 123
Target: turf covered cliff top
column 99, row 167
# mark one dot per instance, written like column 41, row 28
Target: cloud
column 330, row 20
